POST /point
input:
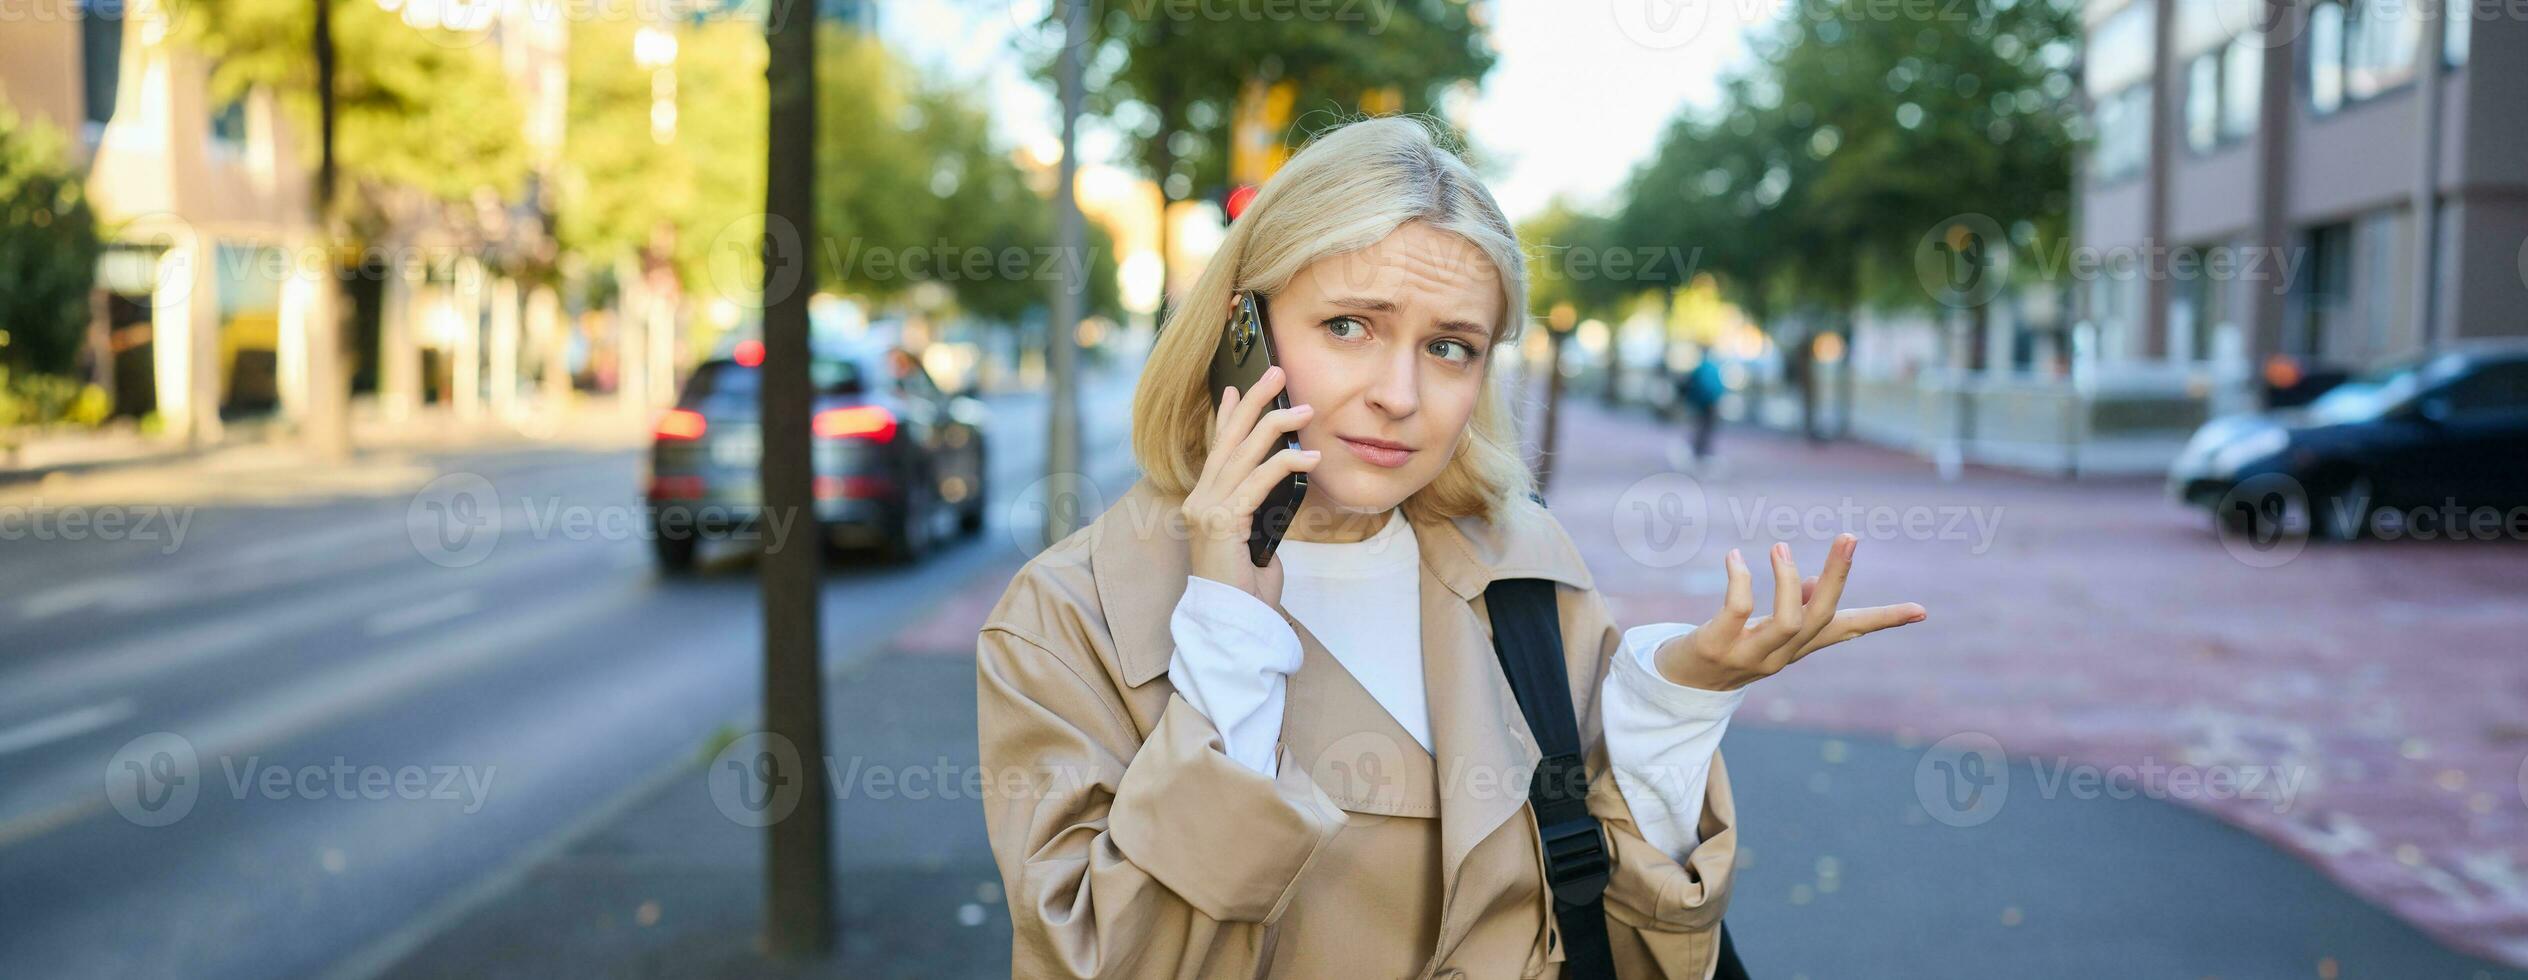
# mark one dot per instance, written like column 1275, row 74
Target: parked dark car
column 2441, row 432
column 896, row 458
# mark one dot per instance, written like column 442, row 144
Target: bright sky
column 1579, row 95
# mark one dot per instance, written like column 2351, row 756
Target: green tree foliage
column 1853, row 136
column 48, row 249
column 422, row 110
column 1168, row 76
column 913, row 188
column 1565, row 249
column 619, row 187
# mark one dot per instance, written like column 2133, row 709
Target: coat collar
column 1144, row 535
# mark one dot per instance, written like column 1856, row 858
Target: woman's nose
column 1397, row 389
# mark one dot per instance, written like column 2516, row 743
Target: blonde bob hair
column 1345, row 191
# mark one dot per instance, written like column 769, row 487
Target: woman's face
column 1389, row 344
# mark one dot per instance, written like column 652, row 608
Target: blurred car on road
column 2417, row 439
column 897, row 461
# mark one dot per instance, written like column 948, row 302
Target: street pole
column 799, row 847
column 1062, row 444
column 327, row 419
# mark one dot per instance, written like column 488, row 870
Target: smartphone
column 1246, row 349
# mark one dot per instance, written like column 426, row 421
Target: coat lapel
column 1484, row 748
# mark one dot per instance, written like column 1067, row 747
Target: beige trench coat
column 1131, row 845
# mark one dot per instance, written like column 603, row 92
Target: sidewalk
column 1849, row 871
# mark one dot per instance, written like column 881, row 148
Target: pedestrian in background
column 1700, row 390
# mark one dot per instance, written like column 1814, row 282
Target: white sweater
column 1234, row 657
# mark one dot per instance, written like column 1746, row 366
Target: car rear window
column 731, row 379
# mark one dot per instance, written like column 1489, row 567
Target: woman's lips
column 1386, row 456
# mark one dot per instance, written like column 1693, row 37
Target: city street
column 364, row 724
column 1853, row 865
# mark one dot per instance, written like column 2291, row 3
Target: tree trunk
column 799, row 847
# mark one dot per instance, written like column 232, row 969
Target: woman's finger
column 1221, row 409
column 1255, row 401
column 1736, row 604
column 1819, row 602
column 1251, row 491
column 1851, row 623
column 1255, row 445
column 1785, row 621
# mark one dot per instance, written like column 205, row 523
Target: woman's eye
column 1456, row 351
column 1338, row 324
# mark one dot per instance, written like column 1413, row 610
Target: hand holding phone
column 1255, row 475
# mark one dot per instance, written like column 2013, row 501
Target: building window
column 2123, row 123
column 2324, row 291
column 2361, row 48
column 100, row 56
column 2326, row 56
column 2203, row 102
column 228, row 126
column 2242, row 84
column 2380, row 38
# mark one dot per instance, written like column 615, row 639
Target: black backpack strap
column 1527, row 637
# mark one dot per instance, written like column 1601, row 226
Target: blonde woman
column 1316, row 768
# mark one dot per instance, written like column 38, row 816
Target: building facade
column 2338, row 182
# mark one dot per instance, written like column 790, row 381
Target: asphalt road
column 253, row 739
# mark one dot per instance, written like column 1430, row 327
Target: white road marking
column 44, row 731
column 437, row 610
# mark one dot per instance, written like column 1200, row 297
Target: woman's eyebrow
column 1368, row 304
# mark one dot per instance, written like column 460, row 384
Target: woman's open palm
column 1732, row 650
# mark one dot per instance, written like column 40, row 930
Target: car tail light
column 676, row 488
column 853, row 487
column 869, row 422
column 682, row 423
